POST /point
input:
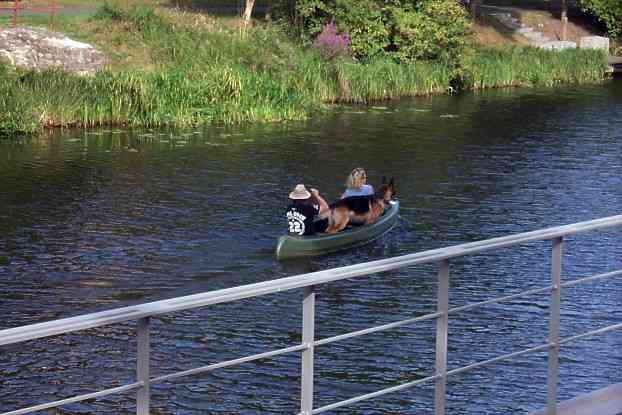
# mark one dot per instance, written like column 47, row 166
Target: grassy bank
column 181, row 69
column 529, row 67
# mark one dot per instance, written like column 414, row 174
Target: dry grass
column 551, row 26
column 193, row 20
column 124, row 50
column 490, row 32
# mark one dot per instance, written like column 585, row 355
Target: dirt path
column 534, row 23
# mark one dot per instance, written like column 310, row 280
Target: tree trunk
column 248, row 11
column 268, row 14
column 475, row 6
column 564, row 14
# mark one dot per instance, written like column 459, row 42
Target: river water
column 93, row 220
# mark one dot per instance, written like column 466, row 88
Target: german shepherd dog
column 341, row 214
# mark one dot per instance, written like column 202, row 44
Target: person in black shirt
column 303, row 209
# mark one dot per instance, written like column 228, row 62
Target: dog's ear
column 384, row 179
column 392, row 182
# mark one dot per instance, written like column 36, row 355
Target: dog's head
column 386, row 191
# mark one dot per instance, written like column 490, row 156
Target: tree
column 248, row 11
column 475, row 7
column 564, row 16
column 607, row 11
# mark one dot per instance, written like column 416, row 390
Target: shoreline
column 177, row 73
column 103, row 114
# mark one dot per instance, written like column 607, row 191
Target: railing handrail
column 123, row 314
column 51, row 9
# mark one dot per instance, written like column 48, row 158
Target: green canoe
column 290, row 246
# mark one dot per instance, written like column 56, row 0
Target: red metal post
column 53, row 8
column 15, row 8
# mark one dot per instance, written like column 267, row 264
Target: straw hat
column 300, row 192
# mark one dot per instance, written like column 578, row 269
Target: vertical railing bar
column 308, row 339
column 52, row 12
column 441, row 338
column 554, row 311
column 15, row 11
column 142, row 366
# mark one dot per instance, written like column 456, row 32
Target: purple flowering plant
column 330, row 43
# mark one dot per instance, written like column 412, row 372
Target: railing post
column 53, row 7
column 554, row 312
column 441, row 337
column 142, row 366
column 308, row 337
column 15, row 11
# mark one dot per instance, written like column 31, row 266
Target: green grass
column 385, row 79
column 527, row 66
column 180, row 69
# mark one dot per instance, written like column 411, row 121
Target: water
column 101, row 219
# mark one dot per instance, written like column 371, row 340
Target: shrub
column 432, row 29
column 330, row 43
column 406, row 30
column 109, row 11
column 607, row 11
column 363, row 20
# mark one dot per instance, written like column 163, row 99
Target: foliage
column 330, row 43
column 607, row 11
column 363, row 20
column 404, row 29
column 15, row 114
column 432, row 29
column 383, row 78
column 528, row 66
column 141, row 18
column 109, row 12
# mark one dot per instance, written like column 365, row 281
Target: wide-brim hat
column 300, row 192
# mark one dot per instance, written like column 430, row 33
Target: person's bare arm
column 324, row 208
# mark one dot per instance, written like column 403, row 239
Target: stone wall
column 41, row 49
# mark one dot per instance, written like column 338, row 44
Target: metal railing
column 308, row 282
column 37, row 6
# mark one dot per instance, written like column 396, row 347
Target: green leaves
column 364, row 21
column 405, row 30
column 434, row 30
column 607, row 11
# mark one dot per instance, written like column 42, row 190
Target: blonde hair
column 357, row 178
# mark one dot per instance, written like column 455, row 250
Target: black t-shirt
column 300, row 216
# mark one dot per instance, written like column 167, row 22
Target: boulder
column 41, row 49
column 594, row 42
column 558, row 45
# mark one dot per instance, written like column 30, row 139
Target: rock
column 41, row 49
column 594, row 42
column 558, row 45
column 524, row 30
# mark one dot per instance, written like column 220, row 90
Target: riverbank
column 176, row 68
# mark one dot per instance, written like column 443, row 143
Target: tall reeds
column 528, row 66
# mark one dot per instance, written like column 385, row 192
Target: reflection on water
column 92, row 220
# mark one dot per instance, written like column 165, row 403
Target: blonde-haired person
column 358, row 193
column 356, row 184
